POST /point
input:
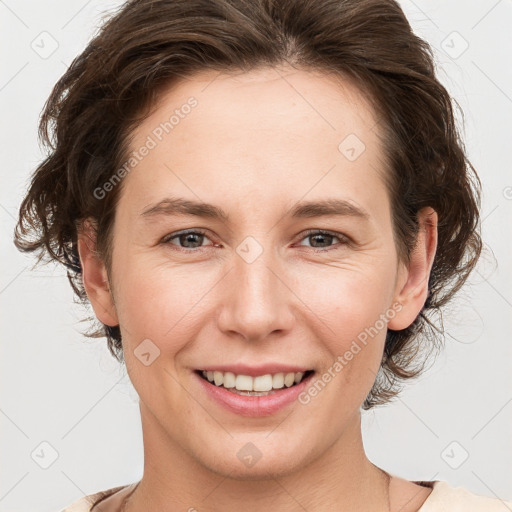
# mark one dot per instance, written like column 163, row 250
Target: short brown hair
column 149, row 44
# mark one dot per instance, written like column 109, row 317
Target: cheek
column 354, row 315
column 350, row 299
column 162, row 305
column 352, row 334
column 170, row 302
column 160, row 301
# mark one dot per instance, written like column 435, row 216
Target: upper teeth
column 248, row 383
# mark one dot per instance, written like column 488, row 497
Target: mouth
column 261, row 385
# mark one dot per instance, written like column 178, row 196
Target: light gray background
column 65, row 390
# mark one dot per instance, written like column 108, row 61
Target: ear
column 412, row 284
column 95, row 276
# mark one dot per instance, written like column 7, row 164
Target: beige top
column 443, row 498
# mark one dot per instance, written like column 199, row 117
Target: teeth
column 261, row 383
column 289, row 379
column 218, row 378
column 229, row 380
column 278, row 381
column 243, row 383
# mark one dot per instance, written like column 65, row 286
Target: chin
column 253, row 457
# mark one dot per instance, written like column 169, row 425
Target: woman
column 263, row 202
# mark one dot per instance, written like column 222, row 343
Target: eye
column 325, row 237
column 191, row 239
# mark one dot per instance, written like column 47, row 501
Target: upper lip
column 254, row 371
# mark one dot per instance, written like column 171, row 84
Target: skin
column 290, row 305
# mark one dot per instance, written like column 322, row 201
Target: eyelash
column 344, row 240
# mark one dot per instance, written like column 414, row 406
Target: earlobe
column 95, row 276
column 413, row 287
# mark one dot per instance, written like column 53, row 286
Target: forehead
column 272, row 131
column 268, row 98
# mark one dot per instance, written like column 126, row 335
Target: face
column 276, row 283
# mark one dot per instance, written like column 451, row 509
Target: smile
column 261, row 385
column 252, row 396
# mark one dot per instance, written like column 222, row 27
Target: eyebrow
column 303, row 209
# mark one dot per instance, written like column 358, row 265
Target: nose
column 256, row 300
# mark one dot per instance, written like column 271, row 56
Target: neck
column 341, row 477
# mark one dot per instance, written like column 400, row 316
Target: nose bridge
column 256, row 301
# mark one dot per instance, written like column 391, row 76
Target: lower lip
column 253, row 406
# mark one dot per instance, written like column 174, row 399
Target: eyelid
column 167, row 238
column 344, row 239
column 319, row 231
